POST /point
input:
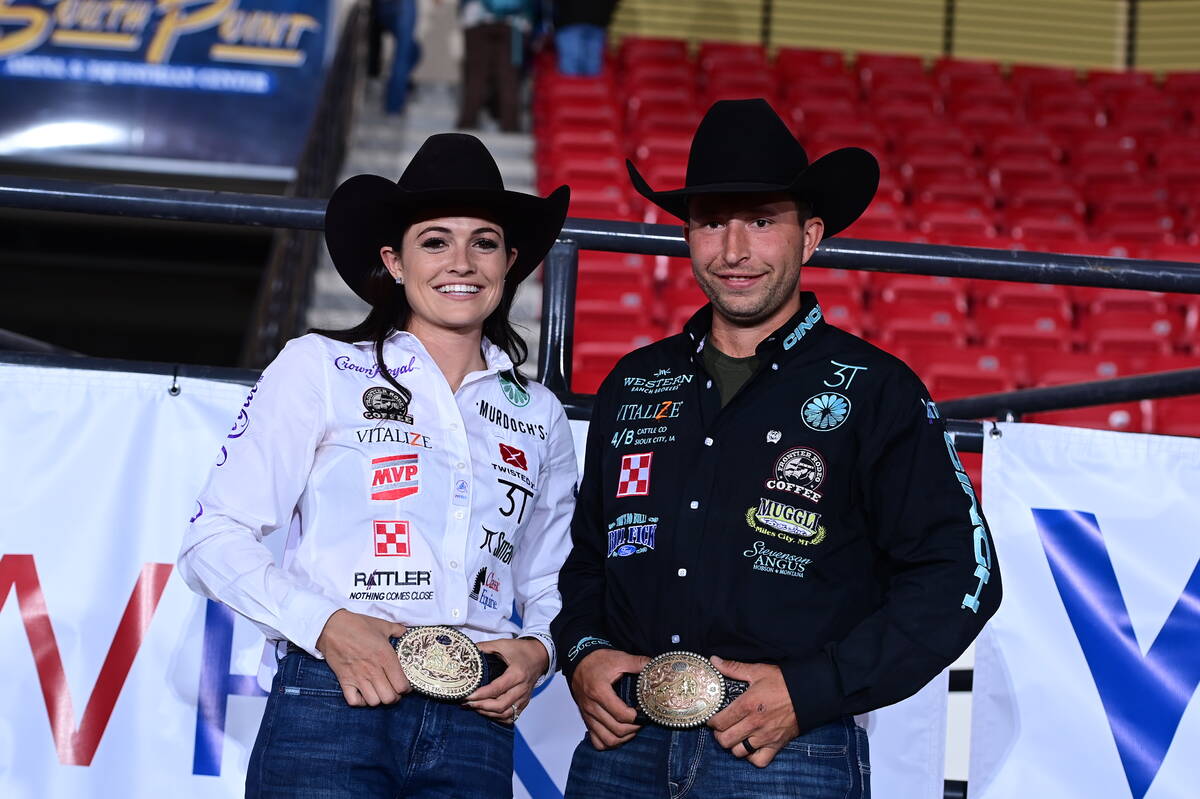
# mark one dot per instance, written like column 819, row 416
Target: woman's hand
column 357, row 648
column 506, row 696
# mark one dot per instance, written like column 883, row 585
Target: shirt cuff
column 312, row 611
column 548, row 642
column 583, row 646
column 815, row 689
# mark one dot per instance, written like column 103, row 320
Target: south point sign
column 243, row 35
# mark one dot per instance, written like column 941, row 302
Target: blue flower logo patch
column 825, row 412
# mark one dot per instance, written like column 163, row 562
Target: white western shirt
column 434, row 508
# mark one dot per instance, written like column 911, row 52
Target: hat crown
column 744, row 141
column 451, row 161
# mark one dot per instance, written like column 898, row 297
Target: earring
column 399, row 281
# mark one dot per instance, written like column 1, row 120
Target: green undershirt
column 730, row 374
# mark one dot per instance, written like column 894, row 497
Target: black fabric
column 583, row 12
column 451, row 171
column 742, row 146
column 856, row 579
column 730, row 374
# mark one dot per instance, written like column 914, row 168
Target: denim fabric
column 830, row 762
column 312, row 745
column 399, row 17
column 580, row 49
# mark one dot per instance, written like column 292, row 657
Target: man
column 767, row 491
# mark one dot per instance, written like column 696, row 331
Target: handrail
column 193, row 205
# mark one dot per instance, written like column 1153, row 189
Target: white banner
column 120, row 679
column 1085, row 679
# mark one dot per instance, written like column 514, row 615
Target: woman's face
column 453, row 269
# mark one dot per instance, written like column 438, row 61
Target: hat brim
column 839, row 186
column 367, row 212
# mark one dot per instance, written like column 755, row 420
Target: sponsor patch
column 391, row 539
column 631, row 534
column 660, row 382
column 786, row 522
column 511, row 496
column 486, row 589
column 773, row 561
column 665, row 409
column 634, row 479
column 825, row 412
column 774, row 436
column 512, row 423
column 844, row 375
column 343, row 364
column 584, row 644
column 387, row 404
column 513, row 456
column 513, row 391
column 498, row 545
column 395, row 476
column 801, row 330
column 799, row 471
column 380, row 586
column 392, row 435
column 462, row 492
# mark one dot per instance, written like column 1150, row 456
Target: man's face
column 747, row 250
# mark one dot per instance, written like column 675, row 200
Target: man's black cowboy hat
column 742, row 146
column 451, row 172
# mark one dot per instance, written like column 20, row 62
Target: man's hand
column 609, row 720
column 357, row 648
column 506, row 696
column 763, row 715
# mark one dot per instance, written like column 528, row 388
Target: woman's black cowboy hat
column 742, row 146
column 451, row 172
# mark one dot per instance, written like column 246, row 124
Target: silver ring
column 516, row 713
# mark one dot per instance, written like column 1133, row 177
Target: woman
column 422, row 482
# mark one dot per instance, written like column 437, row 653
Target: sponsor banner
column 228, row 81
column 120, row 675
column 1085, row 680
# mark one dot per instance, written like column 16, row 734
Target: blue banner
column 227, row 81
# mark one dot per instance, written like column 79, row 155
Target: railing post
column 559, row 272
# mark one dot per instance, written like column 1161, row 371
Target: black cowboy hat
column 742, row 146
column 451, row 171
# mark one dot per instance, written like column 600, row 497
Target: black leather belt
column 678, row 690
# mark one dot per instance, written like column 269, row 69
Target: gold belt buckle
column 440, row 661
column 680, row 690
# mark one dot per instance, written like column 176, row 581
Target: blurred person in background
column 580, row 32
column 494, row 34
column 399, row 17
column 425, row 488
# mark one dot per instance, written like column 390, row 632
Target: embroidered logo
column 773, row 561
column 486, row 589
column 384, row 403
column 800, row 471
column 394, row 476
column 513, row 456
column 774, row 436
column 391, row 539
column 787, row 522
column 634, row 480
column 631, row 534
column 824, row 412
column 514, row 391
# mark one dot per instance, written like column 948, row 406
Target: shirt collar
column 792, row 337
column 496, row 359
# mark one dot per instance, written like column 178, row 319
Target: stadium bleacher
column 1033, row 157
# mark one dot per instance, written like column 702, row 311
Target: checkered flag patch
column 391, row 539
column 635, row 475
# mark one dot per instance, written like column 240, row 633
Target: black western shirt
column 820, row 521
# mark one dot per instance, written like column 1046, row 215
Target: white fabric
column 1040, row 726
column 487, row 524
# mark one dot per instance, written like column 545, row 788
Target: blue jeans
column 399, row 17
column 830, row 762
column 312, row 745
column 580, row 49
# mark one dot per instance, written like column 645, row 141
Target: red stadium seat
column 1104, row 81
column 934, row 137
column 889, row 189
column 1024, row 143
column 994, row 92
column 642, row 49
column 792, row 63
column 870, row 66
column 1124, row 417
column 1012, row 173
column 991, row 322
column 920, row 290
column 1103, row 144
column 1003, row 362
column 657, row 100
column 882, row 220
column 1067, row 125
column 1059, row 197
column 899, row 114
column 975, row 192
column 846, row 282
column 920, row 168
column 1108, row 328
column 1051, row 99
column 1045, row 227
column 1049, row 368
column 1045, row 298
column 1176, row 416
column 950, row 220
column 682, row 118
column 669, row 144
column 1026, row 77
column 1098, row 301
column 1134, row 227
column 658, row 73
column 822, row 85
column 1026, row 338
column 1143, row 198
column 906, row 86
column 952, row 73
column 1095, row 172
column 932, row 327
column 952, row 381
column 986, row 121
column 847, row 315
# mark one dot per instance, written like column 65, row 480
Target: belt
column 678, row 690
column 441, row 662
